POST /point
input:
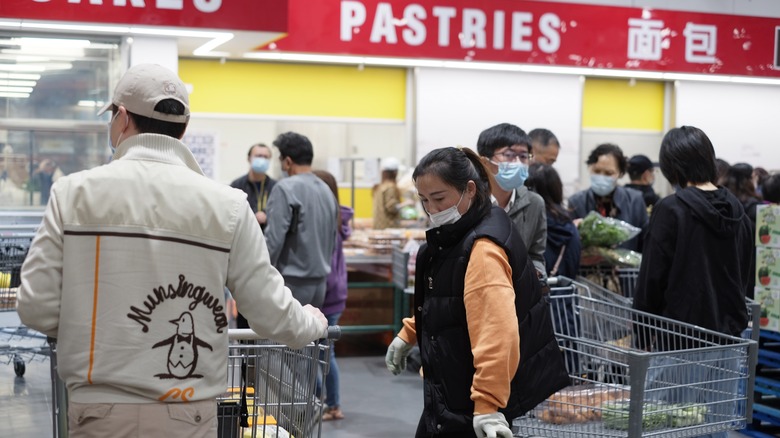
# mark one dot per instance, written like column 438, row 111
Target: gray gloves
column 395, row 359
column 491, row 426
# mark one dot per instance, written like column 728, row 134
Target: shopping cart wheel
column 19, row 367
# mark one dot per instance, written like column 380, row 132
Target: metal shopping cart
column 641, row 375
column 628, row 278
column 18, row 343
column 271, row 389
column 621, row 280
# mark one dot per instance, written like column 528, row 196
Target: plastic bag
column 612, row 256
column 605, row 232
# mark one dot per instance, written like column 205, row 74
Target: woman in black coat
column 696, row 262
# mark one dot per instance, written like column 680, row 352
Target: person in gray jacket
column 301, row 231
column 506, row 150
column 607, row 164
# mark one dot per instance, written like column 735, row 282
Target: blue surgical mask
column 260, row 164
column 511, row 176
column 448, row 216
column 602, row 185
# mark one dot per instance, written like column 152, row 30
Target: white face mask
column 448, row 216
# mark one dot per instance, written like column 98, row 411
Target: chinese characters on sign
column 538, row 33
column 646, row 41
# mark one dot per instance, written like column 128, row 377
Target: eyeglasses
column 510, row 156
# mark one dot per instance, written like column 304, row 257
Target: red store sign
column 532, row 32
column 235, row 15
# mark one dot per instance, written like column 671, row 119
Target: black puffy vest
column 442, row 331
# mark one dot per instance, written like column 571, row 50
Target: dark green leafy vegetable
column 596, row 230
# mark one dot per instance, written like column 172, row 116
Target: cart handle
column 334, row 333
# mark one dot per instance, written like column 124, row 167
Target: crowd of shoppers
column 499, row 225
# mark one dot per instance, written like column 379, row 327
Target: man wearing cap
column 302, row 222
column 642, row 174
column 127, row 271
column 387, row 196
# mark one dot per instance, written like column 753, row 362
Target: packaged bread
column 578, row 404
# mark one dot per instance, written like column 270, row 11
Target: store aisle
column 375, row 403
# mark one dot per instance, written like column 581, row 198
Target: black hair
column 545, row 181
column 501, row 136
column 721, row 168
column 295, row 146
column 760, row 174
column 330, row 181
column 609, row 149
column 771, row 188
column 543, row 137
column 257, row 145
column 687, row 156
column 456, row 167
column 739, row 181
column 148, row 125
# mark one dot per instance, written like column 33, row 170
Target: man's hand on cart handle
column 395, row 359
column 323, row 321
column 492, row 426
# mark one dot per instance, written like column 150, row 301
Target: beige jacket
column 128, row 271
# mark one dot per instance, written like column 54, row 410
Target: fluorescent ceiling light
column 16, row 83
column 22, row 58
column 59, row 52
column 17, row 89
column 21, row 67
column 216, row 38
column 498, row 66
column 23, row 76
column 11, row 94
column 91, row 103
column 50, row 42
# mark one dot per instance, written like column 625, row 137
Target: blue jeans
column 332, row 399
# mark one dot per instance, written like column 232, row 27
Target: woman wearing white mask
column 607, row 164
column 478, row 306
column 506, row 151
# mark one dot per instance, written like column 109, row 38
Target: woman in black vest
column 484, row 329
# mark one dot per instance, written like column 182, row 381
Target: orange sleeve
column 489, row 298
column 409, row 331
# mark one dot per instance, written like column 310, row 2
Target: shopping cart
column 18, row 343
column 271, row 389
column 641, row 375
column 629, row 278
column 621, row 280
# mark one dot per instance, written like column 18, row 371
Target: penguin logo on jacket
column 183, row 352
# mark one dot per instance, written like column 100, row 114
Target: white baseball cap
column 389, row 163
column 143, row 86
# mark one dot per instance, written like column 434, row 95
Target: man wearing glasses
column 506, row 150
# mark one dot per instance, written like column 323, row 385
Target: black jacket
column 648, row 194
column 251, row 189
column 697, row 260
column 442, row 330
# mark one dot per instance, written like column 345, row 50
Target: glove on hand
column 395, row 359
column 491, row 426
